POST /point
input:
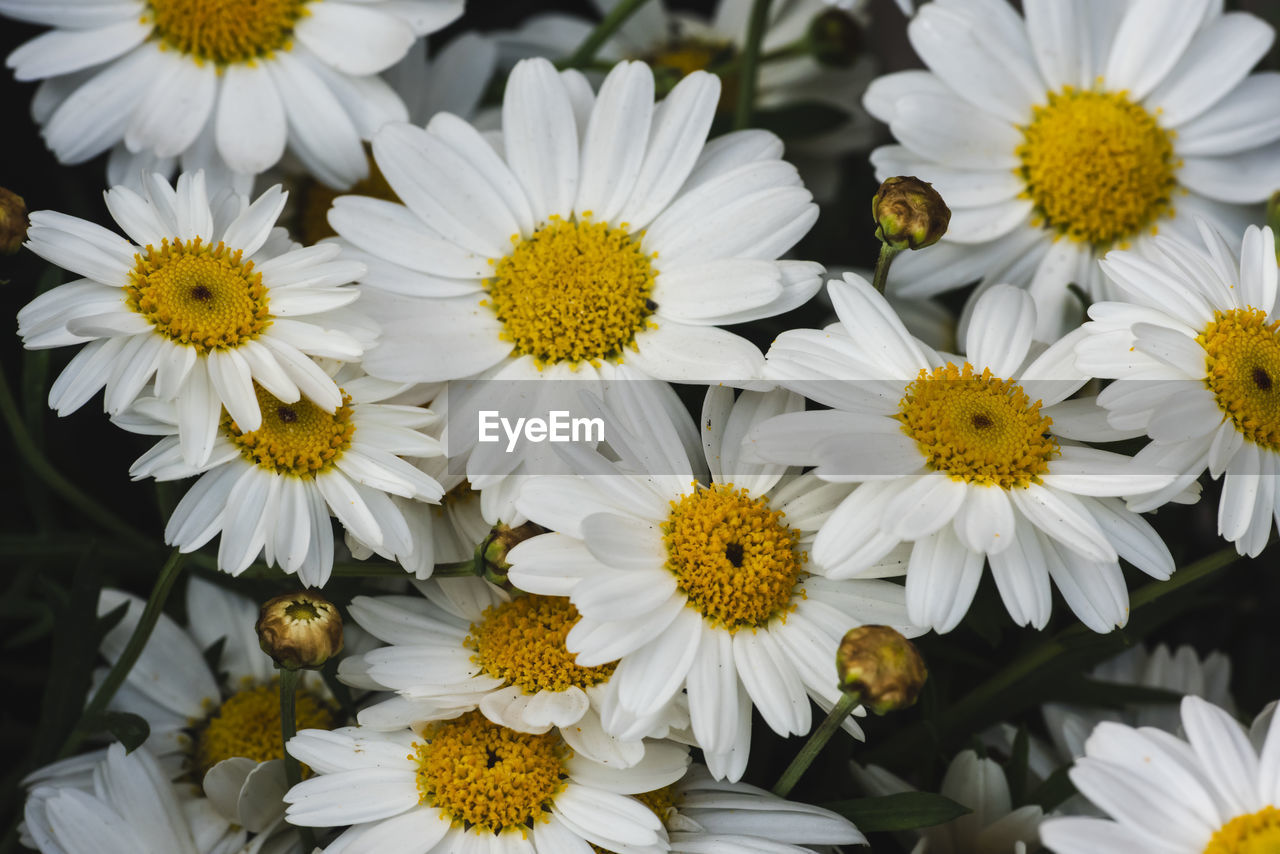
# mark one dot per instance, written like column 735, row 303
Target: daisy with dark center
column 1196, row 347
column 1078, row 129
column 607, row 231
column 224, row 85
column 968, row 460
column 469, row 645
column 271, row 490
column 206, row 301
column 701, row 584
column 469, row 784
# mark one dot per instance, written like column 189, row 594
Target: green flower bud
column 835, row 38
column 909, row 213
column 882, row 667
column 492, row 552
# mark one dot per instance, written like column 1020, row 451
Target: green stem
column 887, row 254
column 288, row 729
column 750, row 64
column 30, row 453
column 616, row 17
column 137, row 641
column 817, row 741
column 461, row 569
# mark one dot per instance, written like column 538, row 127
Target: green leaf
column 125, row 727
column 902, row 811
column 1093, row 692
column 1019, row 760
column 1053, row 791
column 802, row 119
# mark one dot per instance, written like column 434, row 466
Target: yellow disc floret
column 1098, row 167
column 1243, row 361
column 248, row 724
column 733, row 556
column 226, row 31
column 489, row 777
column 573, row 292
column 296, row 438
column 522, row 642
column 202, row 296
column 977, row 427
column 1255, row 833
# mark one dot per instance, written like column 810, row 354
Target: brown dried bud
column 13, row 221
column 300, row 630
column 835, row 38
column 882, row 667
column 909, row 213
column 493, row 550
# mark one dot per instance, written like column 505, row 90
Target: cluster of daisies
column 326, row 243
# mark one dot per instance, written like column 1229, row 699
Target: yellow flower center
column 1098, row 167
column 977, row 428
column 296, row 438
column 201, row 296
column 522, row 642
column 1256, row 833
column 1243, row 358
column 248, row 724
column 733, row 556
column 573, row 292
column 226, row 31
column 661, row 802
column 313, row 214
column 487, row 776
column 682, row 56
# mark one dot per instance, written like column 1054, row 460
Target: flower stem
column 887, row 254
column 616, row 17
column 817, row 741
column 137, row 641
column 288, row 729
column 750, row 64
column 29, row 452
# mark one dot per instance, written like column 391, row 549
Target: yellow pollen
column 522, row 642
column 489, row 777
column 313, row 214
column 1255, row 833
column 201, row 296
column 226, row 31
column 248, row 724
column 573, row 292
column 296, row 438
column 1098, row 167
column 733, row 556
column 1243, row 361
column 977, row 427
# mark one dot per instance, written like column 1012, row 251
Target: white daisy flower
column 469, row 645
column 700, row 583
column 1215, row 792
column 702, row 814
column 677, row 42
column 1197, row 349
column 968, row 459
column 220, row 84
column 271, row 491
column 207, row 301
column 994, row 826
column 222, row 734
column 467, row 784
column 125, row 805
column 1083, row 127
column 606, row 231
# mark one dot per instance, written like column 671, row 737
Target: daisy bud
column 299, row 630
column 13, row 221
column 492, row 552
column 835, row 38
column 1273, row 217
column 909, row 213
column 882, row 667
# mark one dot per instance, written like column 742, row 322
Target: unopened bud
column 1273, row 218
column 882, row 667
column 13, row 221
column 493, row 550
column 909, row 213
column 300, row 630
column 835, row 38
